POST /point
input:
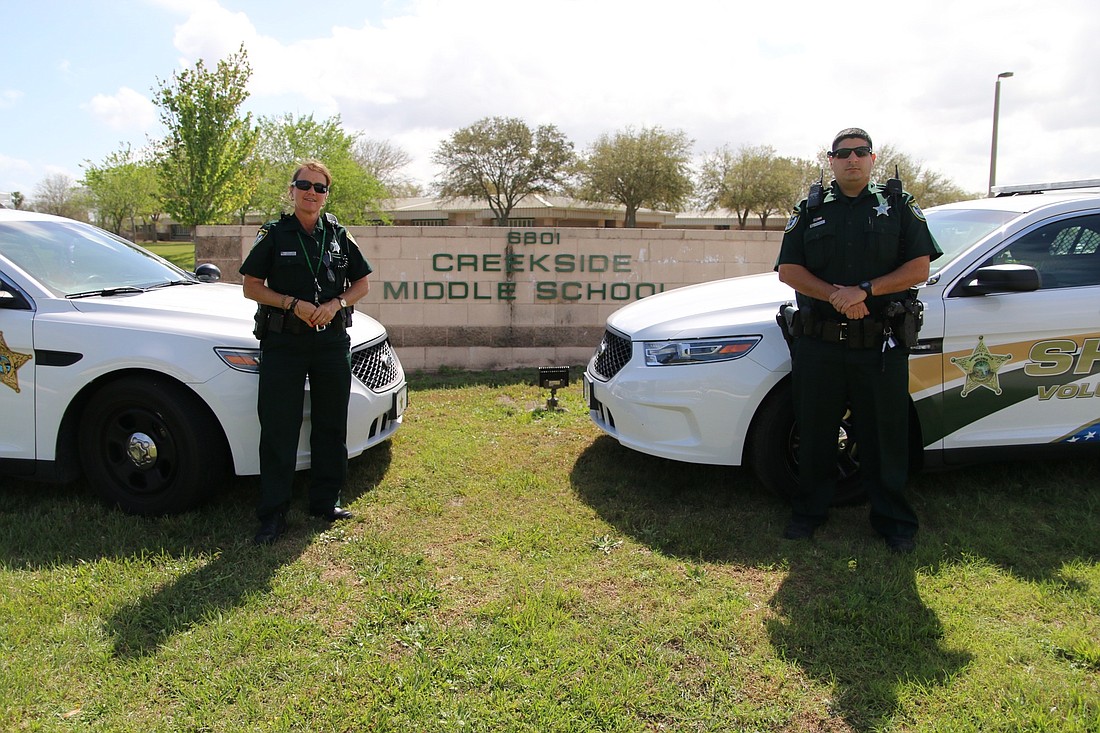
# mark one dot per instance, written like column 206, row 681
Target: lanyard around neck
column 314, row 270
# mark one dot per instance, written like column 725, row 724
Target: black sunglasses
column 305, row 186
column 862, row 151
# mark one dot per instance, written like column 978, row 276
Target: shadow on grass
column 51, row 525
column 848, row 612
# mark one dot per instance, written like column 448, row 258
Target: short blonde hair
column 316, row 166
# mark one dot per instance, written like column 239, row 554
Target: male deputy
column 306, row 272
column 848, row 251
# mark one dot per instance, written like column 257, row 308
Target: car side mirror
column 208, row 273
column 1000, row 279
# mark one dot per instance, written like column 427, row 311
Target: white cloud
column 10, row 98
column 17, row 174
column 125, row 110
column 211, row 33
column 918, row 77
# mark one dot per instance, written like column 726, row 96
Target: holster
column 790, row 323
column 906, row 318
column 262, row 326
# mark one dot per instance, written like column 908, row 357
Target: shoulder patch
column 916, row 210
column 260, row 234
column 792, row 222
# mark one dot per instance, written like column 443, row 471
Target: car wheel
column 773, row 450
column 149, row 447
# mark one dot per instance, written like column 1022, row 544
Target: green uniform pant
column 827, row 379
column 287, row 360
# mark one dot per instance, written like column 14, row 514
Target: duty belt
column 863, row 333
column 286, row 322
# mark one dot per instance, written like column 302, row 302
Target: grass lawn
column 181, row 254
column 511, row 569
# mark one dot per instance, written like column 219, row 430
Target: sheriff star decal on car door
column 10, row 361
column 981, row 368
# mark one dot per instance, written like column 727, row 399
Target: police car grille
column 613, row 354
column 376, row 366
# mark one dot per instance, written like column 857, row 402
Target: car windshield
column 957, row 229
column 69, row 258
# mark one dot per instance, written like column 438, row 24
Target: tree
column 121, row 189
column 284, row 141
column 201, row 163
column 501, row 160
column 928, row 187
column 648, row 168
column 17, row 199
column 753, row 180
column 735, row 181
column 384, row 161
column 786, row 182
column 58, row 194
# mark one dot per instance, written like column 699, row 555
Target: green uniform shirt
column 313, row 266
column 848, row 240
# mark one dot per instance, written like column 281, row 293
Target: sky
column 77, row 77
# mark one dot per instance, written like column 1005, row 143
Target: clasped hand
column 318, row 315
column 850, row 300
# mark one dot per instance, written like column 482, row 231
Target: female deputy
column 306, row 272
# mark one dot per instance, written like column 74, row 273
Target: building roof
column 531, row 205
column 563, row 208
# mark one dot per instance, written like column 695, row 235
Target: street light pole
column 996, row 115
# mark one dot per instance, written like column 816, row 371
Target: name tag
column 816, row 222
column 291, row 253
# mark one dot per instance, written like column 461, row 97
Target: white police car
column 116, row 363
column 1008, row 361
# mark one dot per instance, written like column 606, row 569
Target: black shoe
column 901, row 545
column 270, row 529
column 333, row 515
column 797, row 529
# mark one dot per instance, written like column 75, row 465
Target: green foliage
column 123, row 188
column 202, row 163
column 752, row 180
column 650, row 168
column 284, row 141
column 928, row 187
column 501, row 160
column 511, row 569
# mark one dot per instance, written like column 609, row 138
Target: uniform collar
column 292, row 221
column 835, row 194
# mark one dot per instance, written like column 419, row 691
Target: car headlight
column 243, row 360
column 670, row 353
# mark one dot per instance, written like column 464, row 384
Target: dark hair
column 850, row 132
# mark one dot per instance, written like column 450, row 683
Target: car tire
column 150, row 447
column 773, row 451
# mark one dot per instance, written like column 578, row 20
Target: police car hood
column 731, row 307
column 218, row 310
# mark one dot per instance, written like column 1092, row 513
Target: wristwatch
column 343, row 303
column 865, row 286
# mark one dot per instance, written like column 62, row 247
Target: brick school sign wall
column 496, row 298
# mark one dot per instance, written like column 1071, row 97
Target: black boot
column 271, row 528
